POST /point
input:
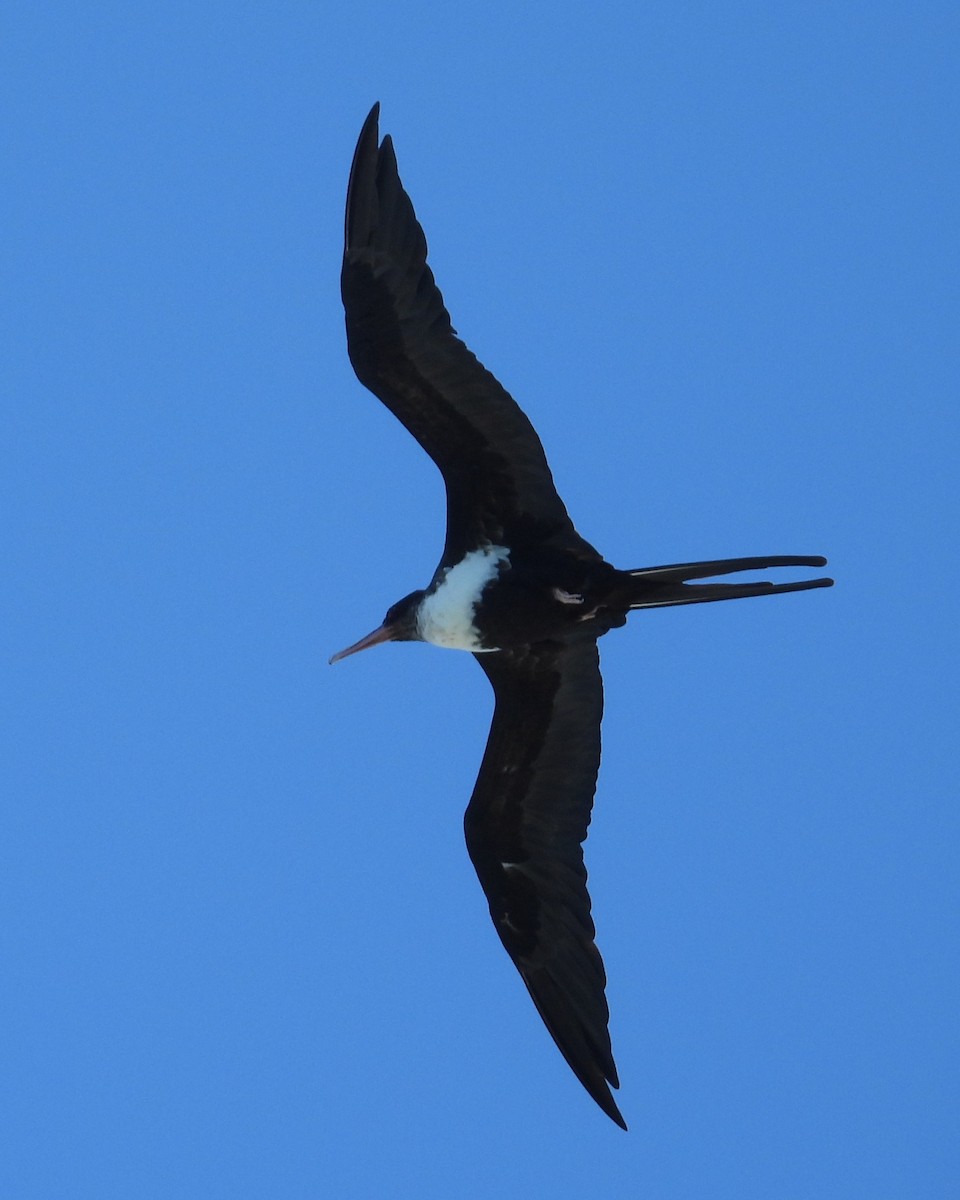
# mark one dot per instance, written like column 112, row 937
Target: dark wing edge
column 404, row 349
column 524, row 826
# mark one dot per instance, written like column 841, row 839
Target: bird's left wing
column 524, row 826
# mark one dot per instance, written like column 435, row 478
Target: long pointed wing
column 525, row 824
column 405, row 350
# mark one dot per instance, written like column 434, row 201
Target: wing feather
column 404, row 349
column 525, row 825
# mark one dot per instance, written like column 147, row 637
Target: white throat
column 446, row 614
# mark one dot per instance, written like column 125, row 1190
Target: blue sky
column 712, row 250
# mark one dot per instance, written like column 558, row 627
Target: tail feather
column 661, row 587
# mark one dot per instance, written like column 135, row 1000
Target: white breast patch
column 445, row 617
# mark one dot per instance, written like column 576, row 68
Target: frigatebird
column 520, row 589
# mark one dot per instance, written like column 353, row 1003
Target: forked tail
column 659, row 587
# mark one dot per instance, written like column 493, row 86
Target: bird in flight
column 520, row 589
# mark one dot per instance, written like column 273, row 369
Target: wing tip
column 598, row 1089
column 597, row 1085
column 615, row 1115
column 371, row 123
column 360, row 190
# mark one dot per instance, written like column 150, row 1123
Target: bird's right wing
column 525, row 824
column 405, row 350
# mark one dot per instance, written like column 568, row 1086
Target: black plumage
column 405, row 350
column 525, row 592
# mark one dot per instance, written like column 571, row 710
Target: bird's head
column 399, row 625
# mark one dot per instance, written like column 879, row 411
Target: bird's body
column 519, row 588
